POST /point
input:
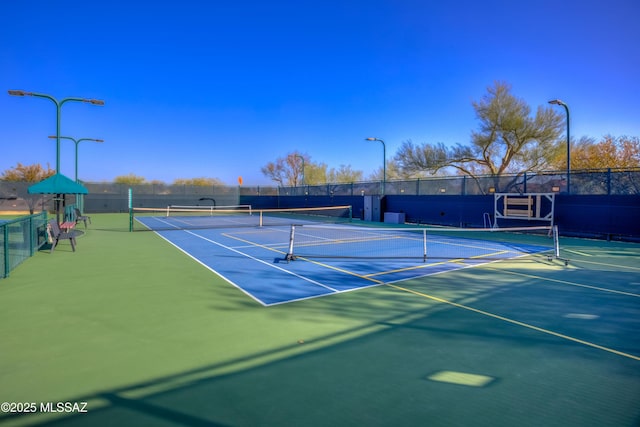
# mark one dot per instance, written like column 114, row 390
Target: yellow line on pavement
column 516, row 322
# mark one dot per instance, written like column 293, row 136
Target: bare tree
column 288, row 170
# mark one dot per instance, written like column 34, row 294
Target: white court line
column 269, row 246
column 211, row 269
column 243, row 254
column 262, row 262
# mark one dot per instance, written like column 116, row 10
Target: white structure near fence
column 525, row 206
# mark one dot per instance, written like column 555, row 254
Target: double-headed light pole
column 566, row 108
column 384, row 161
column 77, row 142
column 59, row 105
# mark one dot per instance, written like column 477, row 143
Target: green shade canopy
column 57, row 184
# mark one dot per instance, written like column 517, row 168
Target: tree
column 130, row 179
column 610, row 152
column 508, row 141
column 27, row 173
column 288, row 170
column 393, row 172
column 344, row 174
column 202, row 182
column 315, row 173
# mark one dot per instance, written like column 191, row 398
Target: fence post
column 130, row 206
column 31, row 233
column 5, row 240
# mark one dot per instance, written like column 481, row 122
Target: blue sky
column 219, row 88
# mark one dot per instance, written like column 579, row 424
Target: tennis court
column 146, row 335
column 299, row 257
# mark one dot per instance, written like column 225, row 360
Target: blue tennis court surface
column 329, row 260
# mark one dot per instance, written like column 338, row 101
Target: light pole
column 384, row 161
column 77, row 142
column 566, row 108
column 301, row 158
column 79, row 197
column 58, row 107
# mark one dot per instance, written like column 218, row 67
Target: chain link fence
column 591, row 182
column 112, row 197
column 19, row 239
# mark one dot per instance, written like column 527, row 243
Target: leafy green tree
column 315, row 173
column 130, row 179
column 27, row 173
column 344, row 174
column 203, row 182
column 509, row 140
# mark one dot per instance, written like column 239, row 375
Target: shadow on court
column 147, row 336
column 425, row 363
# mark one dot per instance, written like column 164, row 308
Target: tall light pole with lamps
column 301, row 158
column 59, row 105
column 77, row 142
column 566, row 108
column 384, row 161
column 79, row 197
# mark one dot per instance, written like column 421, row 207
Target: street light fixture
column 384, row 161
column 566, row 108
column 77, row 142
column 58, row 107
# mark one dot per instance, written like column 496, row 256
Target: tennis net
column 177, row 218
column 175, row 208
column 309, row 241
